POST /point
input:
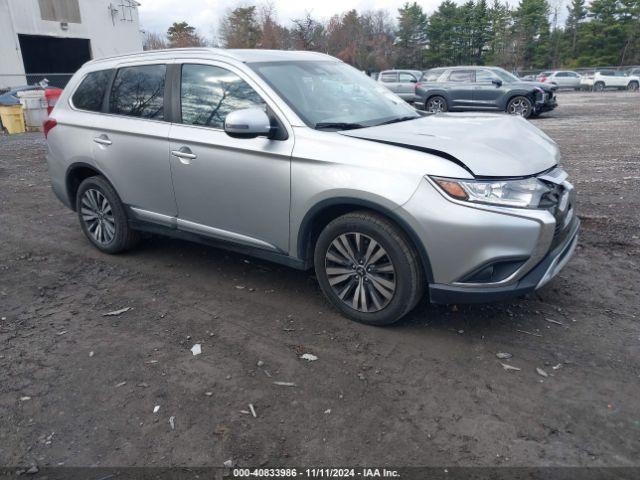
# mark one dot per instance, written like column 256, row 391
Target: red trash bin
column 52, row 95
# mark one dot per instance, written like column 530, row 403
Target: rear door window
column 462, row 76
column 388, row 77
column 90, row 94
column 208, row 94
column 432, row 75
column 139, row 92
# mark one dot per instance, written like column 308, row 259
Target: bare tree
column 154, row 41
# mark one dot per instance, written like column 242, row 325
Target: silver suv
column 298, row 158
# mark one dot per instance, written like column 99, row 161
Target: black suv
column 482, row 88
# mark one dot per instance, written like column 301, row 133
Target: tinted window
column 484, row 76
column 406, row 78
column 91, row 91
column 139, row 92
column 388, row 77
column 432, row 75
column 461, row 76
column 562, row 74
column 209, row 94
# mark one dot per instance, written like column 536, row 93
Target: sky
column 205, row 15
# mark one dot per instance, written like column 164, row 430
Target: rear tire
column 520, row 106
column 102, row 216
column 368, row 269
column 436, row 104
column 598, row 87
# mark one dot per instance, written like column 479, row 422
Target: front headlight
column 522, row 193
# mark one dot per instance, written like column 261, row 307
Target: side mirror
column 497, row 82
column 413, row 80
column 247, row 123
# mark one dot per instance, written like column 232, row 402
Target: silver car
column 298, row 158
column 401, row 82
column 561, row 79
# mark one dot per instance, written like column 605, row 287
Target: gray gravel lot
column 78, row 388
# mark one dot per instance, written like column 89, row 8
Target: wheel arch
column 76, row 173
column 327, row 210
column 437, row 93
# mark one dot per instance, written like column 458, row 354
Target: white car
column 602, row 79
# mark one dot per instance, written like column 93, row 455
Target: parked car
column 401, row 82
column 482, row 88
column 634, row 71
column 606, row 78
column 561, row 79
column 298, row 158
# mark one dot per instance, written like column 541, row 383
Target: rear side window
column 90, row 93
column 388, row 77
column 139, row 92
column 432, row 75
column 208, row 94
column 462, row 76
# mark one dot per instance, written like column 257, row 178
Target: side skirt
column 280, row 258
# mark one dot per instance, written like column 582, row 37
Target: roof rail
column 165, row 51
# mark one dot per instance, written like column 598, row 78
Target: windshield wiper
column 338, row 125
column 399, row 119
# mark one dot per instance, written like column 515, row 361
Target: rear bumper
column 540, row 275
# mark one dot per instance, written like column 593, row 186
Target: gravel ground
column 78, row 388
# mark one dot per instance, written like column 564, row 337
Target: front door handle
column 184, row 154
column 102, row 140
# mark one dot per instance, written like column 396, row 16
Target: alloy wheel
column 98, row 217
column 436, row 105
column 360, row 272
column 519, row 107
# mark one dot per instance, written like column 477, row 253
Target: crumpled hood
column 488, row 145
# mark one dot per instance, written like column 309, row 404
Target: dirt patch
column 79, row 388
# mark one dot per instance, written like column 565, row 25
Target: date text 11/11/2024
column 315, row 473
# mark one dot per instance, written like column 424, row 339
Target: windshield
column 505, row 76
column 333, row 95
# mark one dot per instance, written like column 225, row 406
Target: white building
column 40, row 37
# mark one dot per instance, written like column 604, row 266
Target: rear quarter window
column 139, row 92
column 90, row 93
column 431, row 75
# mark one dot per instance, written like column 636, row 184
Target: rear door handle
column 184, row 154
column 102, row 140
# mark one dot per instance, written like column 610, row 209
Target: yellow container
column 12, row 118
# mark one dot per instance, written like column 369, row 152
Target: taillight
column 418, row 85
column 48, row 124
column 543, row 78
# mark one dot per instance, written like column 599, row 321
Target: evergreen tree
column 240, row 28
column 411, row 38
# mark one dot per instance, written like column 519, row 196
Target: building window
column 60, row 11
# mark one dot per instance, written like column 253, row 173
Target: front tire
column 102, row 216
column 520, row 106
column 633, row 86
column 436, row 104
column 368, row 269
